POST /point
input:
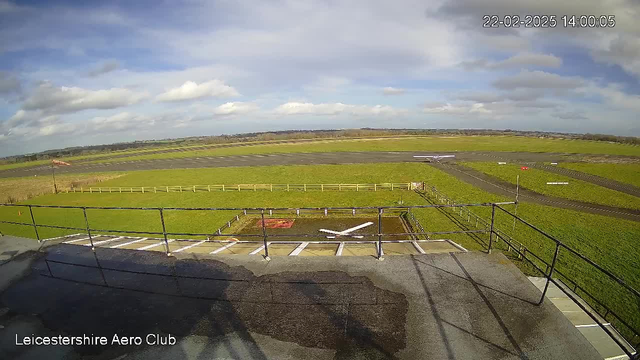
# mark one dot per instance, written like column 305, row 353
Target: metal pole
column 164, row 232
column 86, row 221
column 33, row 221
column 493, row 216
column 380, row 234
column 515, row 212
column 53, row 174
column 553, row 266
column 264, row 236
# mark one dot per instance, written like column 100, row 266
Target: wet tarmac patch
column 133, row 293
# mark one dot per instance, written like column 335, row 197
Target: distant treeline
column 303, row 134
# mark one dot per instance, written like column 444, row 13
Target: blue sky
column 75, row 73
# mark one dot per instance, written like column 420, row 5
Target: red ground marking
column 276, row 223
column 524, row 168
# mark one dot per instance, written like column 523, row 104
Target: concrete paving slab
column 319, row 250
column 359, row 250
column 465, row 305
column 606, row 346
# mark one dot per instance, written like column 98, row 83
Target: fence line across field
column 406, row 186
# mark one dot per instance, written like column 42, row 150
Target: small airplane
column 433, row 157
column 346, row 232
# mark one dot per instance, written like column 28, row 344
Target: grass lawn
column 624, row 173
column 536, row 180
column 23, row 188
column 610, row 242
column 452, row 143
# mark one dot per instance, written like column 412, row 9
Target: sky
column 80, row 73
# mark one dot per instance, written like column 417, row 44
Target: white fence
column 253, row 187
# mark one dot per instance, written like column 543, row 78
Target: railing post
column 264, row 236
column 493, row 216
column 86, row 222
column 33, row 221
column 164, row 233
column 553, row 266
column 380, row 234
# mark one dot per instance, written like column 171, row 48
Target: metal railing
column 377, row 211
column 630, row 333
column 249, row 187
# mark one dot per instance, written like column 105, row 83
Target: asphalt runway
column 285, row 159
column 475, row 178
column 503, row 188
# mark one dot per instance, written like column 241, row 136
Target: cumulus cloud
column 393, row 91
column 235, row 108
column 521, row 60
column 104, row 68
column 51, row 99
column 330, row 109
column 191, row 90
column 455, row 109
column 537, row 80
column 623, row 50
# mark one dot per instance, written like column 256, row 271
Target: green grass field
column 610, row 242
column 460, row 143
column 536, row 180
column 624, row 173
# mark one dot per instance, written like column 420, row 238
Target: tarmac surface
column 500, row 187
column 438, row 306
column 471, row 176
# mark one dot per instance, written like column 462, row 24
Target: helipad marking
column 258, row 249
column 128, row 243
column 106, row 241
column 299, row 249
column 76, row 240
column 417, row 246
column 154, row 245
column 223, row 248
column 190, row 246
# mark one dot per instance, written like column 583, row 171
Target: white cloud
column 235, row 108
column 393, row 91
column 330, row 109
column 623, row 51
column 63, row 99
column 191, row 90
column 537, row 80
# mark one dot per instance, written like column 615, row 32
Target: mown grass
column 536, row 180
column 610, row 242
column 454, row 143
column 625, row 173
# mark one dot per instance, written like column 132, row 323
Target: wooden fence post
column 305, row 187
column 271, row 187
column 375, row 187
column 321, row 187
column 222, row 187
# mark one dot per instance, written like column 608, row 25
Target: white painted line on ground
column 128, row 243
column 106, row 241
column 154, row 245
column 417, row 246
column 591, row 325
column 61, row 237
column 340, row 248
column 258, row 249
column 456, row 245
column 223, row 248
column 190, row 246
column 76, row 240
column 299, row 249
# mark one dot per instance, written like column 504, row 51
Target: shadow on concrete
column 75, row 291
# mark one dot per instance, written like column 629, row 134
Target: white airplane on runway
column 433, row 157
column 347, row 232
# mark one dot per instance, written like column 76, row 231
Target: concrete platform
column 435, row 306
